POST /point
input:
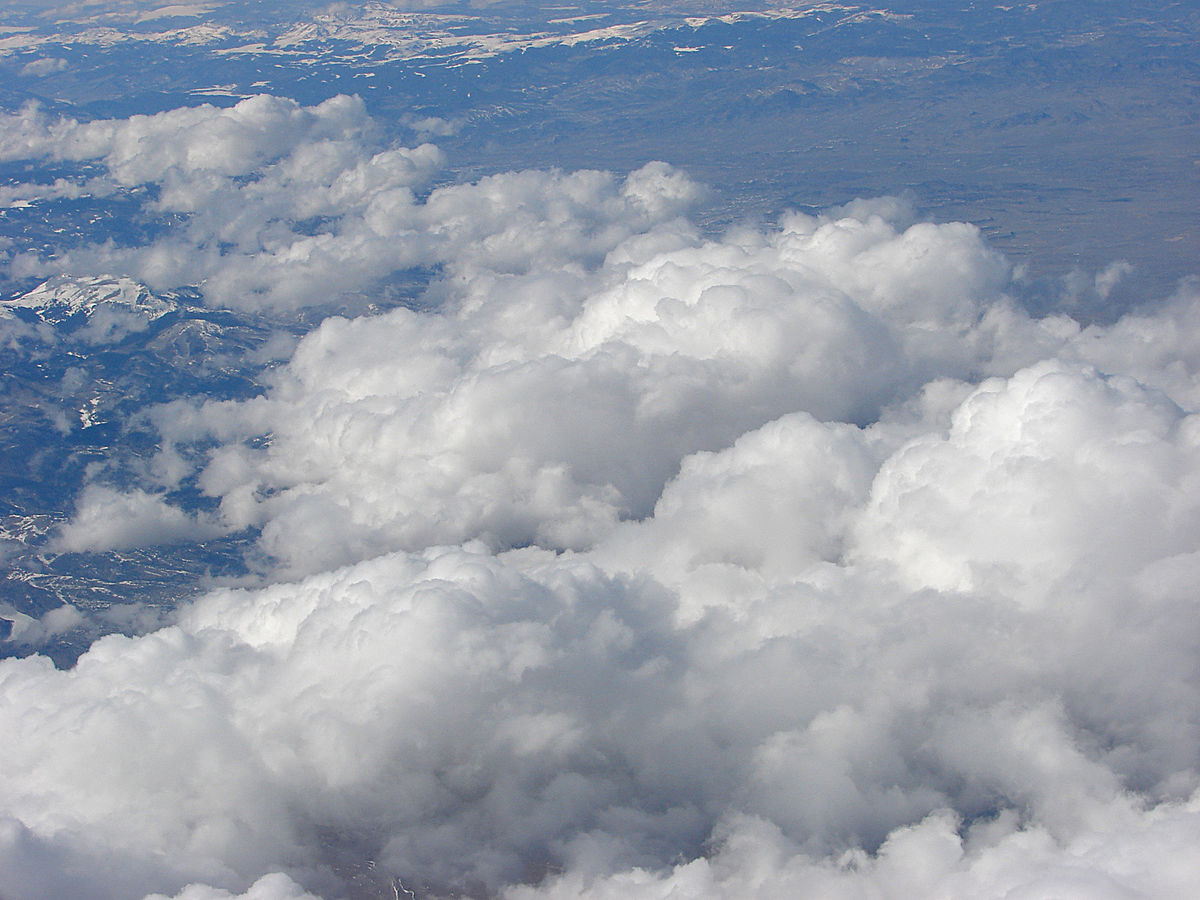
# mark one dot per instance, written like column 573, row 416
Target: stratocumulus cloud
column 632, row 563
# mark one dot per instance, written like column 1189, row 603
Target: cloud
column 108, row 519
column 284, row 206
column 274, row 197
column 460, row 719
column 1125, row 454
column 544, row 401
column 929, row 859
column 270, row 887
column 24, row 629
column 798, row 561
column 187, row 141
column 793, row 694
column 1107, row 278
column 44, row 66
column 433, row 126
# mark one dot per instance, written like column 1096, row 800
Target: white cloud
column 288, row 206
column 277, row 197
column 433, row 126
column 1107, row 278
column 186, row 141
column 43, row 66
column 835, row 572
column 108, row 519
column 275, row 886
column 458, row 718
column 1054, row 474
column 1144, row 857
column 24, row 629
column 546, row 400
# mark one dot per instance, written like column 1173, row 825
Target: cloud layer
column 630, row 562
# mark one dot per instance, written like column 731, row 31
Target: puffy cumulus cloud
column 1107, row 278
column 274, row 197
column 1146, row 856
column 777, row 502
column 1053, row 475
column 191, row 140
column 467, row 721
column 44, row 66
column 30, row 633
column 544, row 404
column 108, row 519
column 277, row 206
column 541, row 400
column 397, row 767
column 798, row 562
column 433, row 126
column 763, row 679
column 275, row 886
column 1156, row 347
